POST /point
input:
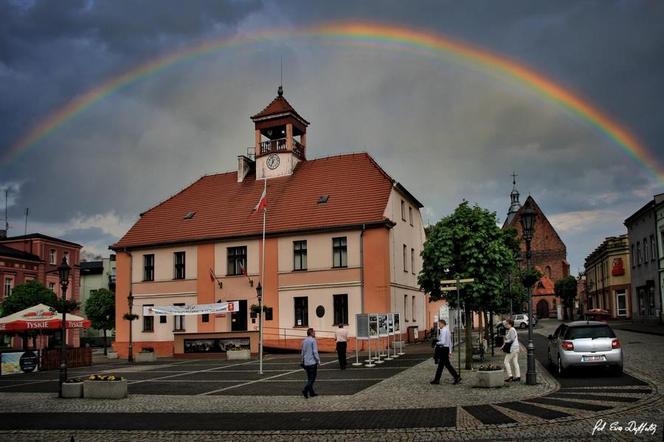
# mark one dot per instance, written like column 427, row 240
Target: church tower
column 281, row 138
column 515, row 205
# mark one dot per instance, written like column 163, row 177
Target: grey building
column 642, row 234
column 96, row 275
column 659, row 231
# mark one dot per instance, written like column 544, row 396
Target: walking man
column 341, row 335
column 442, row 353
column 310, row 362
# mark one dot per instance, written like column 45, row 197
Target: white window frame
column 8, row 285
column 53, row 257
column 620, row 293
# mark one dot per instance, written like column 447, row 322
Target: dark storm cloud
column 446, row 132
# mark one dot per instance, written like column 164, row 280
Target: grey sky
column 445, row 131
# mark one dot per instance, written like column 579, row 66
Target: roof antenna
column 27, row 212
column 280, row 91
column 6, row 204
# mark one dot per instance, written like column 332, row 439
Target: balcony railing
column 280, row 145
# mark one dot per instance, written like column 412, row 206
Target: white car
column 521, row 321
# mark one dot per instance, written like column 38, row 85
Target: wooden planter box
column 72, row 389
column 146, row 356
column 238, row 355
column 105, row 389
column 491, row 379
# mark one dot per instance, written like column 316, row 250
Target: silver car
column 585, row 343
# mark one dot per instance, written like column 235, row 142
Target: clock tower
column 280, row 138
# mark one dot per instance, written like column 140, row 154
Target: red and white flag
column 262, row 202
column 212, row 276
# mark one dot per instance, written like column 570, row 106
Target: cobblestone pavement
column 513, row 412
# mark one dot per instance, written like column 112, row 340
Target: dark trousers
column 341, row 354
column 311, row 378
column 443, row 356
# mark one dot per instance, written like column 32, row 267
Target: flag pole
column 260, row 300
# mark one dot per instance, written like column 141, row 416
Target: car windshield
column 589, row 331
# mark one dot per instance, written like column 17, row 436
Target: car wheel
column 522, row 325
column 561, row 369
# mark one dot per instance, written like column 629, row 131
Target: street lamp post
column 528, row 225
column 130, row 301
column 259, row 293
column 63, row 272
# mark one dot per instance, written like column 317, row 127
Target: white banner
column 195, row 309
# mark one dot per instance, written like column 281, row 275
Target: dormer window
column 189, row 215
column 323, row 199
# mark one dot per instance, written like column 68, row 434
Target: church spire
column 515, row 205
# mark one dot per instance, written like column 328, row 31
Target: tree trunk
column 469, row 339
column 105, row 343
column 491, row 331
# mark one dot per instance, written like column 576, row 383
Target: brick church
column 549, row 254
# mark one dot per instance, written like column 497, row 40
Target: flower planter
column 238, row 355
column 491, row 379
column 146, row 356
column 105, row 389
column 72, row 389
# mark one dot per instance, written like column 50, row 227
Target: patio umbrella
column 40, row 317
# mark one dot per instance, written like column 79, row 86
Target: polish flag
column 262, row 202
column 243, row 271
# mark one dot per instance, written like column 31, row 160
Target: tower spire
column 515, row 205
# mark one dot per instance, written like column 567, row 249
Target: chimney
column 244, row 166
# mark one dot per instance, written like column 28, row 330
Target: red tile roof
column 278, row 106
column 358, row 191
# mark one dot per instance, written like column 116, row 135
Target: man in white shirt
column 341, row 336
column 444, row 348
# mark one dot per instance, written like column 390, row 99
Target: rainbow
column 376, row 35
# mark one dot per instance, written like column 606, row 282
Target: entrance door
column 239, row 318
column 542, row 309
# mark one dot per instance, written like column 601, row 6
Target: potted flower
column 238, row 353
column 146, row 354
column 490, row 376
column 105, row 387
column 72, row 388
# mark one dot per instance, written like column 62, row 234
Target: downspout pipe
column 362, row 268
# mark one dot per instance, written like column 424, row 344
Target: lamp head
column 528, row 223
column 259, row 291
column 63, row 272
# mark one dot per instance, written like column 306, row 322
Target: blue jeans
column 311, row 378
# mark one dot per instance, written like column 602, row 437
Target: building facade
column 642, row 233
column 96, row 275
column 608, row 278
column 37, row 257
column 659, row 232
column 548, row 254
column 341, row 238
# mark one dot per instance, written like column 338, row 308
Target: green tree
column 100, row 309
column 566, row 290
column 469, row 244
column 28, row 295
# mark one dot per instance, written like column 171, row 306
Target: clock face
column 272, row 161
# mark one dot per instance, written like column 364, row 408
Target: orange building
column 342, row 238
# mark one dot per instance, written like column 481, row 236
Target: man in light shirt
column 341, row 336
column 443, row 351
column 310, row 362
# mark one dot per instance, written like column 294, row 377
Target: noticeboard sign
column 397, row 322
column 373, row 326
column 362, row 326
column 390, row 324
column 382, row 325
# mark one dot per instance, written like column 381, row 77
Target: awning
column 40, row 317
